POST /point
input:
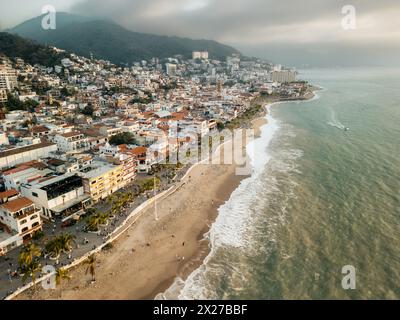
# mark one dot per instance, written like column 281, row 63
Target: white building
column 4, row 139
column 22, row 219
column 283, row 76
column 61, row 196
column 71, row 142
column 15, row 156
column 200, row 55
column 171, row 69
column 8, row 78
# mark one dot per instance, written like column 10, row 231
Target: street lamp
column 9, row 274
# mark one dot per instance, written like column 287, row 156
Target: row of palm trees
column 117, row 201
column 30, row 266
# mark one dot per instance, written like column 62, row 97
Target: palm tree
column 103, row 218
column 62, row 274
column 30, row 271
column 90, row 211
column 110, row 199
column 92, row 223
column 28, row 254
column 91, row 265
column 54, row 248
column 66, row 241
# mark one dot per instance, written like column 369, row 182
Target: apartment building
column 109, row 131
column 102, row 179
column 8, row 77
column 3, row 95
column 19, row 220
column 200, row 55
column 71, row 142
column 123, row 156
column 283, row 76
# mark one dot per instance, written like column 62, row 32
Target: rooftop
column 17, row 204
column 98, row 170
column 71, row 134
column 19, row 150
column 8, row 193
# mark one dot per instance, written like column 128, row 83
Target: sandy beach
column 147, row 258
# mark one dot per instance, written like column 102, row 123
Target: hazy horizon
column 301, row 35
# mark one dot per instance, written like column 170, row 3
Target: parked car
column 68, row 223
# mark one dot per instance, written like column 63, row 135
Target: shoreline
column 150, row 283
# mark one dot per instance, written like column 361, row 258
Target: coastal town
column 85, row 143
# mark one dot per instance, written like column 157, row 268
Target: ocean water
column 319, row 198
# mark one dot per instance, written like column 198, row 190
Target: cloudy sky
column 292, row 32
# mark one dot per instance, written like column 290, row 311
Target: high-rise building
column 283, row 76
column 200, row 55
column 171, row 69
column 8, row 78
column 3, row 95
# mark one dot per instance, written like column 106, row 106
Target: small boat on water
column 346, row 129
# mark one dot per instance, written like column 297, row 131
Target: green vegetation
column 88, row 110
column 62, row 243
column 80, row 35
column 246, row 116
column 28, row 255
column 14, row 46
column 66, row 93
column 28, row 261
column 150, row 184
column 122, row 138
column 142, row 100
column 38, row 235
column 96, row 220
column 62, row 274
column 14, row 103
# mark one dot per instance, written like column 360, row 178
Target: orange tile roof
column 139, row 150
column 39, row 129
column 71, row 134
column 8, row 193
column 17, row 204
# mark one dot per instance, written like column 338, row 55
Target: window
column 23, row 221
column 35, row 194
column 34, row 217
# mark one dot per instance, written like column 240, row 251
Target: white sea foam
column 334, row 122
column 236, row 218
column 230, row 227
